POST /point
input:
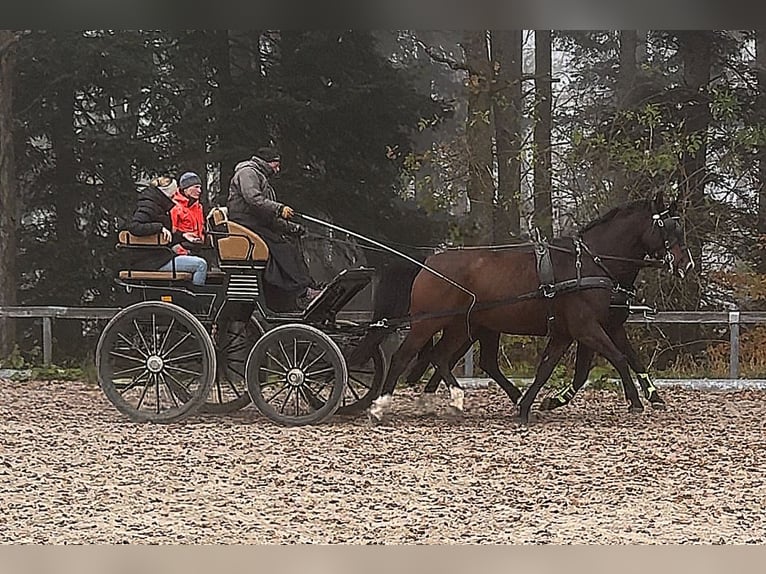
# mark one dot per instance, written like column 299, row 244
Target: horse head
column 664, row 239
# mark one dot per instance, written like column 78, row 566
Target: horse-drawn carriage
column 176, row 348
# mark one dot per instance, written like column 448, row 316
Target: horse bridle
column 670, row 230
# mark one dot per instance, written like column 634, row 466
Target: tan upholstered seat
column 157, row 275
column 235, row 247
column 127, row 238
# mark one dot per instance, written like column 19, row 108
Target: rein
column 548, row 290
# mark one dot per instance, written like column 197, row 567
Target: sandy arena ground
column 73, row 470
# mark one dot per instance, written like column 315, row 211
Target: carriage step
column 156, row 275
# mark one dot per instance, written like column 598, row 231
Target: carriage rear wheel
column 155, row 362
column 234, row 340
column 296, row 375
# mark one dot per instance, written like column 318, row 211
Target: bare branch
column 443, row 58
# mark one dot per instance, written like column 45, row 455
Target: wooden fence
column 731, row 318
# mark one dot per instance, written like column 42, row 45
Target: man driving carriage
column 253, row 203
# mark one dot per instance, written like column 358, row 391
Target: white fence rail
column 731, row 318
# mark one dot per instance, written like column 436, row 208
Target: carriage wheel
column 229, row 390
column 296, row 375
column 364, row 383
column 155, row 362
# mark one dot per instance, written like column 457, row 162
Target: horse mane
column 636, row 205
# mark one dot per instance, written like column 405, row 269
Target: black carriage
column 176, row 348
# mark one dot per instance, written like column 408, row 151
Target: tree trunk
column 695, row 48
column 542, row 136
column 507, row 109
column 760, row 61
column 68, row 266
column 626, row 79
column 8, row 191
column 224, row 111
column 481, row 189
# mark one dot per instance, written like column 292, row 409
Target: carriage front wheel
column 155, row 362
column 296, row 375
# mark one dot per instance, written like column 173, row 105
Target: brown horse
column 501, row 291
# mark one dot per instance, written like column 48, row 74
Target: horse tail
column 391, row 301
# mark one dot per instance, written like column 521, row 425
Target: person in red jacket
column 187, row 216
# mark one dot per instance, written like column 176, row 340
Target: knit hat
column 188, row 179
column 268, row 154
column 169, row 189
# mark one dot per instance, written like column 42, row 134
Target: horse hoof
column 549, row 403
column 454, row 411
column 373, row 419
column 658, row 405
column 635, row 409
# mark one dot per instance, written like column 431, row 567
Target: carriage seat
column 241, row 243
column 127, row 239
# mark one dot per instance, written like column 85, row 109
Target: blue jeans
column 190, row 264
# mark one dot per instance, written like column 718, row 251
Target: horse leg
column 582, row 368
column 490, row 348
column 415, row 340
column 452, row 341
column 554, row 350
column 420, row 366
column 620, row 338
column 597, row 339
column 436, row 378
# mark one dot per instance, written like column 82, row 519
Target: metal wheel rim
column 296, row 381
column 155, row 362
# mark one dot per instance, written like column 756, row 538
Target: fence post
column 468, row 363
column 47, row 341
column 734, row 344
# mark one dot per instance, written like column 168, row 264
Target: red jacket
column 186, row 218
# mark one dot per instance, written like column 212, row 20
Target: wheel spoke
column 132, row 345
column 172, row 393
column 279, row 392
column 273, row 372
column 133, row 383
column 178, row 344
column 314, row 399
column 177, row 388
column 273, row 358
column 126, row 371
column 140, row 334
column 183, row 357
column 360, row 382
column 143, row 393
column 154, row 333
column 320, row 371
column 307, row 367
column 352, row 390
column 306, row 354
column 128, row 357
column 157, row 392
column 180, row 370
column 284, row 354
column 287, row 398
column 166, row 336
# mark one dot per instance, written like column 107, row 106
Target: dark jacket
column 253, row 203
column 151, row 215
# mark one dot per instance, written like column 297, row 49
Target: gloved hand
column 286, row 212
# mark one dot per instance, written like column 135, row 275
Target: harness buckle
column 548, row 290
